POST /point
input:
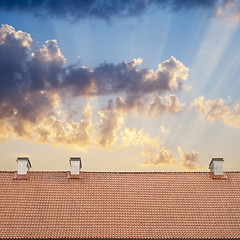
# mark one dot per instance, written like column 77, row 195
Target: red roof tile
column 120, row 205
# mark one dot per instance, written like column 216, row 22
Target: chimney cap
column 24, row 159
column 215, row 159
column 76, row 159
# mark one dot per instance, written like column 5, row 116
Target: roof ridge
column 115, row 172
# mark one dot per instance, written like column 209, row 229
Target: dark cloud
column 105, row 9
column 147, row 106
column 127, row 77
column 137, row 82
column 14, row 51
column 18, row 79
column 46, row 66
column 26, row 76
column 34, row 86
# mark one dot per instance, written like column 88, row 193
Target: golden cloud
column 161, row 156
column 132, row 136
column 216, row 109
column 110, row 122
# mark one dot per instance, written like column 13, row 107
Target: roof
column 158, row 205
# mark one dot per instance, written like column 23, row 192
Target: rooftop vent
column 24, row 166
column 76, row 165
column 216, row 168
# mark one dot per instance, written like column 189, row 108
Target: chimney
column 216, row 168
column 76, row 165
column 23, row 168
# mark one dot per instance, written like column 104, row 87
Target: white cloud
column 8, row 35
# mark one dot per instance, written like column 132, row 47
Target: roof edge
column 13, row 171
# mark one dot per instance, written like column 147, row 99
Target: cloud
column 211, row 109
column 36, row 86
column 153, row 151
column 158, row 108
column 4, row 130
column 162, row 156
column 50, row 128
column 27, row 108
column 14, row 51
column 64, row 132
column 169, row 76
column 148, row 107
column 44, row 69
column 189, row 160
column 23, row 72
column 46, row 66
column 228, row 9
column 217, row 110
column 134, row 81
column 132, row 136
column 78, row 133
column 24, row 76
column 106, row 9
column 110, row 122
column 233, row 118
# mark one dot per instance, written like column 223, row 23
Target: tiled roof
column 120, row 205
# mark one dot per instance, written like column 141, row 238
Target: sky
column 136, row 86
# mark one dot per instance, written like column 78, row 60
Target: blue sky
column 127, row 86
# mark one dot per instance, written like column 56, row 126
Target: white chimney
column 23, row 165
column 216, row 167
column 76, row 165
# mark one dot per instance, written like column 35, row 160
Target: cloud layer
column 106, row 9
column 37, row 85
